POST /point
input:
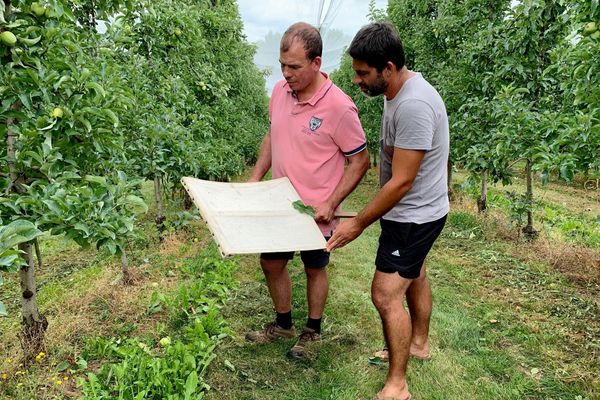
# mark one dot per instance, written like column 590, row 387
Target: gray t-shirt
column 416, row 119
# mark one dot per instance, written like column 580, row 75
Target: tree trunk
column 528, row 230
column 34, row 323
column 125, row 269
column 482, row 200
column 160, row 219
column 187, row 200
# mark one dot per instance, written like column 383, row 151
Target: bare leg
column 317, row 287
column 387, row 293
column 279, row 283
column 419, row 299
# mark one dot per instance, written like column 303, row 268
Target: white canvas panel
column 254, row 217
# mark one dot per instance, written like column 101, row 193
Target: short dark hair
column 308, row 35
column 376, row 44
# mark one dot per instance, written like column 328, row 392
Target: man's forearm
column 356, row 169
column 389, row 195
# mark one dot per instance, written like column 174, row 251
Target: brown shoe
column 269, row 333
column 307, row 335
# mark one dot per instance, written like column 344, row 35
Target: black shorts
column 311, row 258
column 403, row 246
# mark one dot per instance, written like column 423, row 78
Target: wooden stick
column 345, row 214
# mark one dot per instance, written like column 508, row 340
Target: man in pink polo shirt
column 314, row 130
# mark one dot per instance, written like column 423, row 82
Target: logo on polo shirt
column 314, row 123
column 396, row 253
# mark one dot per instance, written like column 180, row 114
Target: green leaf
column 191, row 383
column 113, row 117
column 135, row 204
column 303, row 208
column 63, row 366
column 30, row 42
column 82, row 227
column 3, row 312
column 8, row 261
column 97, row 88
column 2, row 11
column 17, row 232
column 85, row 122
column 96, row 179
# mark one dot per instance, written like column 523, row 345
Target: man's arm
column 405, row 166
column 358, row 164
column 263, row 164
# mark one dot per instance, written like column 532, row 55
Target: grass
column 502, row 327
column 512, row 319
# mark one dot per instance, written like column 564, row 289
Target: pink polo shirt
column 310, row 140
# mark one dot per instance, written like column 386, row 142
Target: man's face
column 371, row 82
column 297, row 69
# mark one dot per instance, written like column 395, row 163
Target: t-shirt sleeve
column 415, row 124
column 349, row 135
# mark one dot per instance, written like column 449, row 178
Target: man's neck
column 398, row 80
column 311, row 89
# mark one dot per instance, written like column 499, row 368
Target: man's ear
column 317, row 62
column 390, row 66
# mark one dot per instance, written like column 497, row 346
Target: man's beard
column 377, row 88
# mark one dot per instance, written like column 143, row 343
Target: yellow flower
column 40, row 356
column 66, row 378
column 4, row 376
column 59, row 382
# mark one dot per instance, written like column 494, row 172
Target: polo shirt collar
column 318, row 95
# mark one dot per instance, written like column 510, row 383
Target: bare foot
column 420, row 352
column 394, row 392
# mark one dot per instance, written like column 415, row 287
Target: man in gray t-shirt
column 415, row 119
column 412, row 203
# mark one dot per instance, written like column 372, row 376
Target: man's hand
column 345, row 232
column 324, row 212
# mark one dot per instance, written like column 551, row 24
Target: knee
column 270, row 267
column 381, row 302
column 315, row 273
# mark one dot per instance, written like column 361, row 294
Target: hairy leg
column 317, row 288
column 419, row 299
column 279, row 283
column 388, row 291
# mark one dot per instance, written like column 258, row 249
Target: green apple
column 589, row 28
column 38, row 9
column 57, row 112
column 8, row 38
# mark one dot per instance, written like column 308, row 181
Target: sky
column 265, row 21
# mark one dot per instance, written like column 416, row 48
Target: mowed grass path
column 502, row 327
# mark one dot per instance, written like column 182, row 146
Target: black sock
column 284, row 320
column 314, row 324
